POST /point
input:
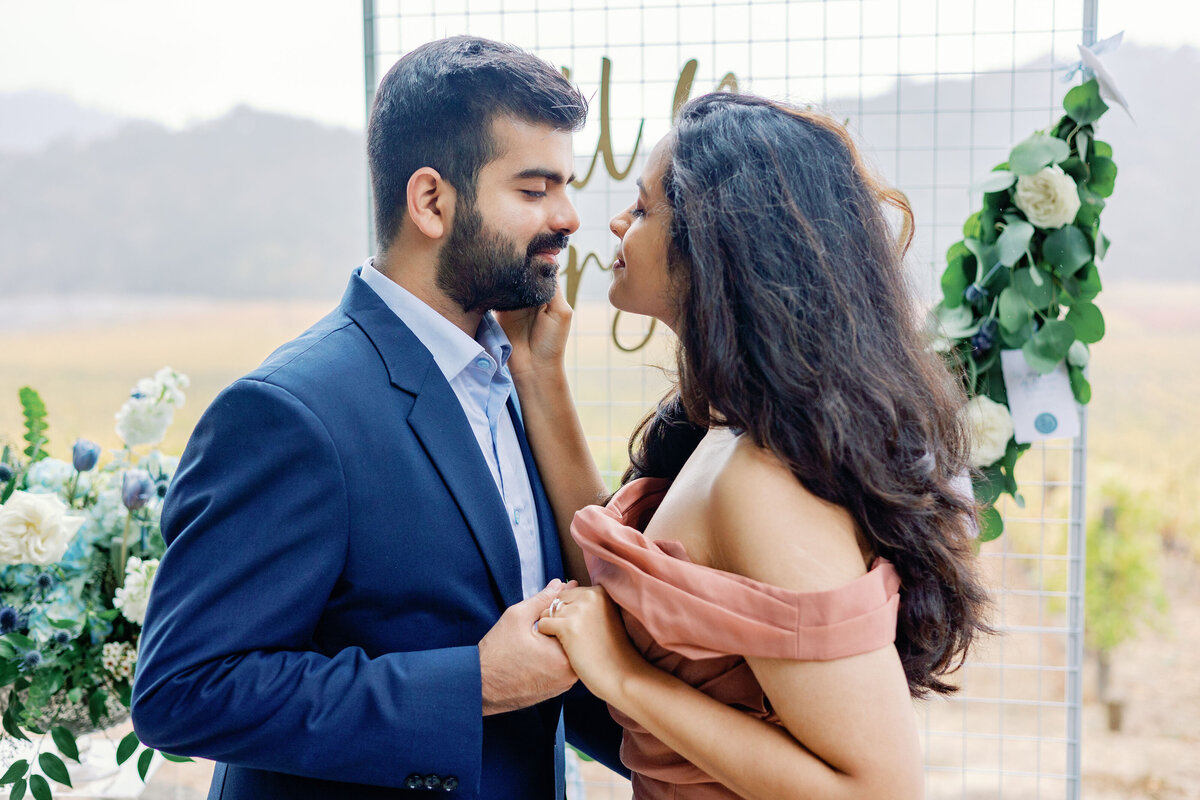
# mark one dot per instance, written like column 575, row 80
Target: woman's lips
column 619, row 263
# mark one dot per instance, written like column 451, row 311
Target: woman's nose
column 619, row 224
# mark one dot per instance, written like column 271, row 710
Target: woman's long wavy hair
column 796, row 326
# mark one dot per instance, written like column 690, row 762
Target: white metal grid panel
column 936, row 91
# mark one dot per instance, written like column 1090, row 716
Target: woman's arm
column 850, row 727
column 572, row 480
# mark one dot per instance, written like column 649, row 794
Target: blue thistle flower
column 61, row 637
column 31, row 660
column 6, row 473
column 44, row 581
column 8, row 619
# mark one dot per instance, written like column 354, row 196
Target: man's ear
column 430, row 202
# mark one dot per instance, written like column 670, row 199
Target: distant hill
column 29, row 121
column 264, row 205
column 249, row 205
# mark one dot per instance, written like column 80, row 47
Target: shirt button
column 414, row 781
column 450, row 783
column 483, row 363
column 432, row 781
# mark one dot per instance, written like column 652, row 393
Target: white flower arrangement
column 148, row 412
column 991, row 426
column 134, row 596
column 35, row 529
column 1048, row 198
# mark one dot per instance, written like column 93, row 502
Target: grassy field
column 84, row 357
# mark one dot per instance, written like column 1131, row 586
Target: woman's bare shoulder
column 767, row 526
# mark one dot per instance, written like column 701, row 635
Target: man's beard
column 481, row 270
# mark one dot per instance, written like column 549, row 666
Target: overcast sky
column 178, row 62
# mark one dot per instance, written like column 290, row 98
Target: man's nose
column 566, row 218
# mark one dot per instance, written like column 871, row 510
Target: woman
column 788, row 553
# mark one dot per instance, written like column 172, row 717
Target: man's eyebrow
column 547, row 174
column 641, row 186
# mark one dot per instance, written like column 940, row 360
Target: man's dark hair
column 435, row 107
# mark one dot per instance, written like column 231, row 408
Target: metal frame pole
column 1077, row 551
column 369, row 81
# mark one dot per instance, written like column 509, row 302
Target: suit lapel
column 438, row 421
column 547, row 529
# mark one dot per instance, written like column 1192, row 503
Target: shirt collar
column 452, row 350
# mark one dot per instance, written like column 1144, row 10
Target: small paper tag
column 1042, row 406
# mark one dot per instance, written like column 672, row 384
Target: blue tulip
column 136, row 489
column 85, row 455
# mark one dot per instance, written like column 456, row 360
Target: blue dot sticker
column 1046, row 423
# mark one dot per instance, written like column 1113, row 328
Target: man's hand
column 520, row 667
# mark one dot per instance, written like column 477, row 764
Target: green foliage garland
column 1016, row 283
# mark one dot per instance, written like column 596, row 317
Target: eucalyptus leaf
column 39, row 788
column 991, row 525
column 955, row 279
column 1080, row 386
column 1087, row 321
column 1014, row 309
column 1102, row 243
column 1084, row 104
column 956, row 323
column 1015, row 340
column 996, row 181
column 1034, row 286
column 1013, row 242
column 1104, row 176
column 18, row 790
column 1036, row 360
column 1102, row 148
column 989, row 486
column 1054, row 339
column 54, row 768
column 1067, row 249
column 1081, row 144
column 1089, row 283
column 985, row 254
column 1038, row 151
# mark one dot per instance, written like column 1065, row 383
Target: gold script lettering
column 604, row 143
column 604, row 149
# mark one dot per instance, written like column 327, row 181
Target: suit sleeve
column 591, row 728
column 257, row 525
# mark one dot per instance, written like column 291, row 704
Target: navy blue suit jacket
column 337, row 548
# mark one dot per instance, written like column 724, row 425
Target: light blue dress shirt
column 477, row 372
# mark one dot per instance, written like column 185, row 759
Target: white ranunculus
column 1048, row 198
column 134, row 596
column 991, row 426
column 35, row 529
column 143, row 421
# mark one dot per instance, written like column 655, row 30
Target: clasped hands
column 531, row 654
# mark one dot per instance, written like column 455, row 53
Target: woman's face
column 640, row 283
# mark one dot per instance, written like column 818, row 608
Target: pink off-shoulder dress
column 700, row 623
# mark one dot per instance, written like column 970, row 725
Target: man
column 358, row 541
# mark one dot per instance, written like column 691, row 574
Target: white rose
column 35, row 529
column 991, row 427
column 1049, row 198
column 134, row 596
column 143, row 421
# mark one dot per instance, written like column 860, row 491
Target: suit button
column 450, row 783
column 432, row 781
column 414, row 781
